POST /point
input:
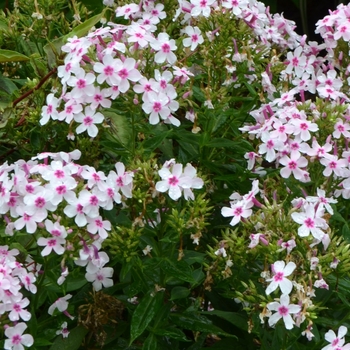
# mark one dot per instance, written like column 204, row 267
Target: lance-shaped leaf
column 145, row 313
column 12, row 56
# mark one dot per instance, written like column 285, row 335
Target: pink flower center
column 270, row 144
column 12, row 202
column 238, row 211
column 99, row 223
column 292, row 165
column 56, row 233
column 16, row 339
column 88, row 121
column 283, row 310
column 166, row 48
column 80, row 209
column 194, row 38
column 29, row 188
column 40, row 202
column 157, row 106
column 59, row 174
column 295, row 61
column 51, row 242
column 108, row 71
column 309, row 223
column 61, row 189
column 303, row 126
column 93, row 200
column 332, row 165
column 120, row 182
column 173, row 181
column 123, row 73
column 110, row 192
column 81, row 83
column 98, row 98
column 278, row 277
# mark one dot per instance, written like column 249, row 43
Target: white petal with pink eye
column 162, row 186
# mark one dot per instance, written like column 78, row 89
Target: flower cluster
column 56, row 200
column 176, row 181
column 15, row 276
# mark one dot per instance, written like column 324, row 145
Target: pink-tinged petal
column 134, row 75
column 226, row 211
column 31, row 226
column 159, row 57
column 235, row 220
column 59, row 249
column 273, row 306
column 271, row 288
column 285, row 173
column 177, row 170
column 288, row 321
column 279, row 266
column 46, row 251
column 330, row 336
column 164, row 173
column 124, row 86
column 197, row 183
column 80, row 220
column 27, row 340
column 120, row 167
column 303, row 231
column 154, row 118
column 107, row 283
column 81, row 128
column 174, row 192
column 294, row 309
column 162, row 186
column 246, row 213
column 286, row 286
column 298, row 217
column 342, row 331
column 274, row 319
column 98, row 118
column 164, row 113
column 92, row 130
column 290, row 267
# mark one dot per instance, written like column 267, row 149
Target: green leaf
column 191, row 257
column 73, row 342
column 120, row 126
column 221, row 142
column 179, row 293
column 150, row 343
column 42, row 342
column 144, row 313
column 172, row 332
column 179, row 270
column 153, row 142
column 7, row 85
column 12, row 56
column 198, row 94
column 235, row 318
column 5, row 115
column 197, row 323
